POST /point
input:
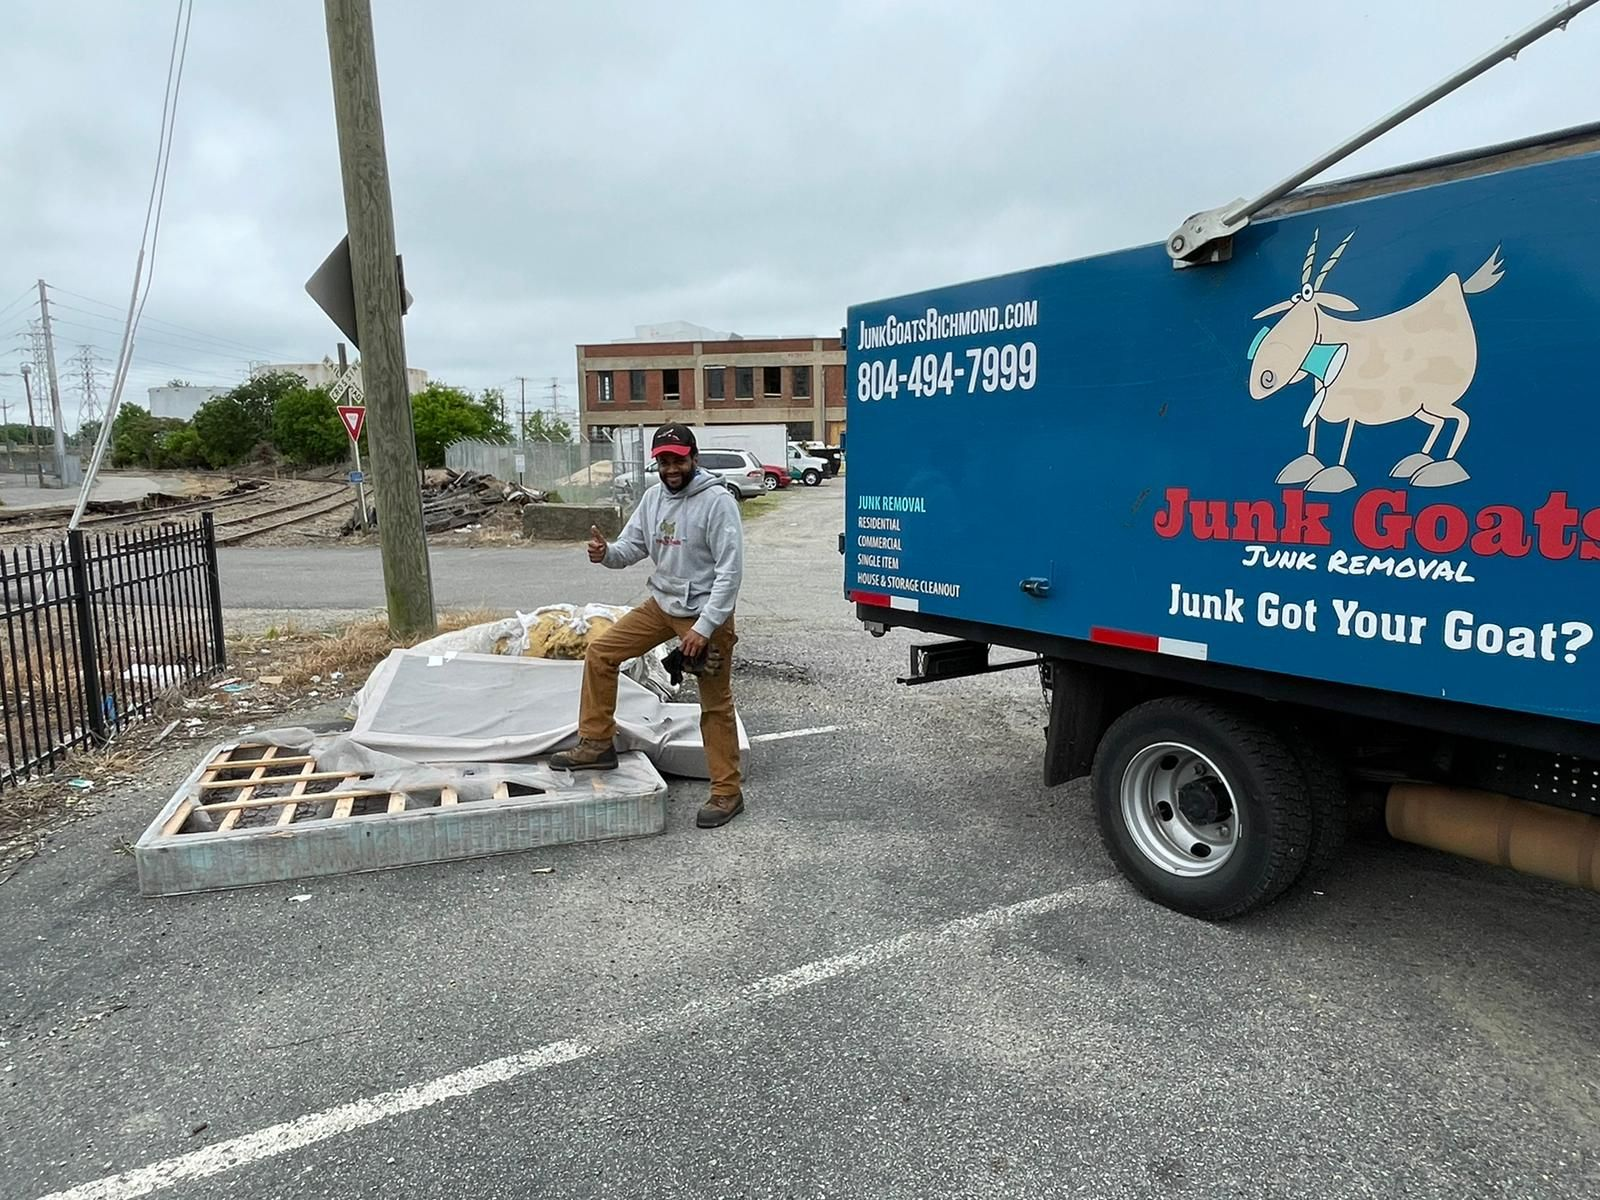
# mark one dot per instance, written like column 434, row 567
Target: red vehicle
column 775, row 477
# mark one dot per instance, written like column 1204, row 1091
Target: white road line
column 358, row 1114
column 794, row 733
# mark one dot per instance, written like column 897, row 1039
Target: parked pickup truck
column 1306, row 506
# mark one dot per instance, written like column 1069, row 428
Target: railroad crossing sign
column 354, row 417
column 346, row 385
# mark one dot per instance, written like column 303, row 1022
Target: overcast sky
column 564, row 172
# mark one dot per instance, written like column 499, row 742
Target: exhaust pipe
column 1536, row 839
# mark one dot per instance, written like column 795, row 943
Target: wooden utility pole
column 27, row 387
column 55, row 388
column 369, row 214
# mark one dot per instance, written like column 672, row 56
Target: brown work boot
column 719, row 810
column 587, row 755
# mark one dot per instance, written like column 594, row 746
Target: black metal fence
column 95, row 628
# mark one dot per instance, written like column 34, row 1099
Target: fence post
column 88, row 646
column 218, row 641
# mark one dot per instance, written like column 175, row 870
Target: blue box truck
column 1284, row 511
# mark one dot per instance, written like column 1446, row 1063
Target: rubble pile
column 463, row 499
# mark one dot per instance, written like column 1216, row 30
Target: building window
column 802, row 383
column 669, row 385
column 744, row 383
column 635, row 387
column 772, row 381
column 715, row 384
column 605, row 387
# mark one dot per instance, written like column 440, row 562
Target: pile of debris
column 462, row 499
column 457, row 499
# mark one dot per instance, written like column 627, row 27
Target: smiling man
column 688, row 524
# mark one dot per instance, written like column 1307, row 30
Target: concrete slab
column 289, row 832
column 20, row 492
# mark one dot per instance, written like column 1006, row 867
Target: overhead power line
column 173, row 325
column 151, row 234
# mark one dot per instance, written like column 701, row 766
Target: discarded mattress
column 455, row 707
column 561, row 631
column 252, row 813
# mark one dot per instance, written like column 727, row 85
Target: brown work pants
column 640, row 631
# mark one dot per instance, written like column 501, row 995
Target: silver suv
column 741, row 473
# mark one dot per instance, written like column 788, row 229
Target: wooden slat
column 218, row 784
column 287, row 815
column 502, row 790
column 176, row 820
column 397, row 802
column 232, row 817
column 447, row 797
column 287, row 760
column 279, row 801
column 342, row 807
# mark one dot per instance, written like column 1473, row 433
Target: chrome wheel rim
column 1180, row 810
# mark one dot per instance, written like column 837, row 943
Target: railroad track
column 134, row 515
column 230, row 533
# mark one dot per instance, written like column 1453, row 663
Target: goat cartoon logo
column 1415, row 362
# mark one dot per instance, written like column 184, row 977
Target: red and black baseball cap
column 674, row 439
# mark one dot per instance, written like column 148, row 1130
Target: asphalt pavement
column 907, row 970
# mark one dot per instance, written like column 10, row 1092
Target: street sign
column 357, row 477
column 354, row 417
column 522, row 463
column 332, row 287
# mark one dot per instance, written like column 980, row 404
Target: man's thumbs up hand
column 597, row 545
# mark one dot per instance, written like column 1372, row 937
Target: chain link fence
column 597, row 472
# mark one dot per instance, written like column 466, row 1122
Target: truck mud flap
column 1078, row 717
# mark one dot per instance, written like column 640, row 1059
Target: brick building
column 709, row 379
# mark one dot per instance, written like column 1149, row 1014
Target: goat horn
column 1333, row 258
column 1311, row 258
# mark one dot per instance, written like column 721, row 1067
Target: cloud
column 560, row 176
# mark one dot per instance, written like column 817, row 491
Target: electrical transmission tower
column 89, row 401
column 41, row 357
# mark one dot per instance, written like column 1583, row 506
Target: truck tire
column 1203, row 809
column 812, row 477
column 1328, row 790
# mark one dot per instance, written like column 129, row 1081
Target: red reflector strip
column 1155, row 645
column 872, row 598
column 1128, row 641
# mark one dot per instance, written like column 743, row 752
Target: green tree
column 258, row 396
column 306, row 427
column 177, row 448
column 133, row 437
column 227, row 431
column 540, row 426
column 88, row 434
column 441, row 414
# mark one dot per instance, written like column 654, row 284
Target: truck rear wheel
column 1203, row 809
column 1328, row 791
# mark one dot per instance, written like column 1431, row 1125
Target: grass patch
column 359, row 647
column 759, row 506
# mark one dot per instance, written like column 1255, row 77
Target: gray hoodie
column 696, row 540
